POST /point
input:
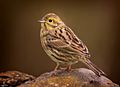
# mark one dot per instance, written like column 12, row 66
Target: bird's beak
column 41, row 21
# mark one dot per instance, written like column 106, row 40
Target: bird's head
column 50, row 21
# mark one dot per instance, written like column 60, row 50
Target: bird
column 62, row 45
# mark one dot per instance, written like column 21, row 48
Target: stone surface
column 75, row 78
column 14, row 78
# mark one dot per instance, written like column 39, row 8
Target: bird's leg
column 57, row 67
column 54, row 73
column 68, row 68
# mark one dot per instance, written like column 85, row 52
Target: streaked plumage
column 62, row 45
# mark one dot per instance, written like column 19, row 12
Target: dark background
column 96, row 23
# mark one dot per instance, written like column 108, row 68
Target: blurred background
column 96, row 23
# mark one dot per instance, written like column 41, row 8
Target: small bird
column 62, row 45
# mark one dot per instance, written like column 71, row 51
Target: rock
column 75, row 78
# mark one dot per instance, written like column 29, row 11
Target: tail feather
column 93, row 67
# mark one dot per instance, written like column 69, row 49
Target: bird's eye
column 50, row 20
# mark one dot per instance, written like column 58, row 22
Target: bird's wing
column 61, row 45
column 77, row 44
column 71, row 45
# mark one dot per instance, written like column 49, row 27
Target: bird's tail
column 93, row 67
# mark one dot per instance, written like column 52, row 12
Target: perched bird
column 62, row 45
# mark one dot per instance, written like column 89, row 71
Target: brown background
column 96, row 23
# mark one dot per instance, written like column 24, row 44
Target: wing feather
column 72, row 45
